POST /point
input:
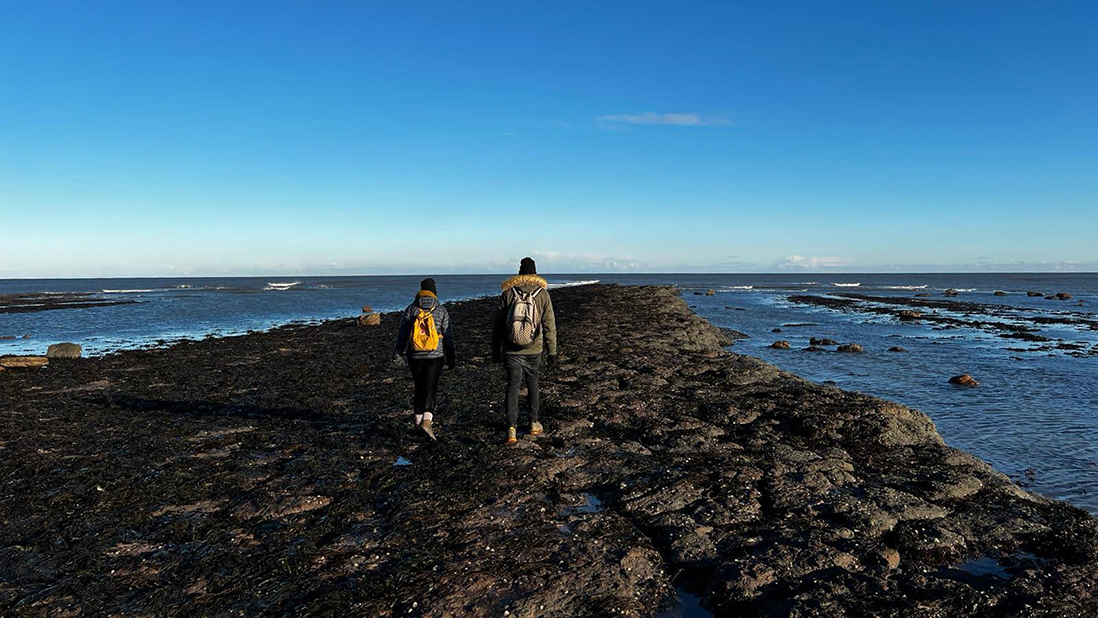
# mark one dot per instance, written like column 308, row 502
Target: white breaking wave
column 737, row 287
column 125, row 291
column 569, row 284
column 807, row 283
column 905, row 287
column 281, row 285
column 846, row 285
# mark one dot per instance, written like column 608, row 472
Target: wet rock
column 7, row 338
column 909, row 314
column 922, row 295
column 822, row 341
column 780, row 344
column 814, row 348
column 964, row 380
column 1032, row 294
column 775, row 330
column 1062, row 296
column 850, row 348
column 710, row 292
column 950, row 292
column 12, row 362
column 897, row 348
column 1000, row 293
column 367, row 309
column 64, row 350
column 369, row 319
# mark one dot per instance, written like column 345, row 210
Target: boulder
column 922, row 295
column 64, row 350
column 909, row 314
column 780, row 344
column 1062, row 296
column 964, row 380
column 950, row 292
column 1000, row 293
column 7, row 338
column 26, row 336
column 822, row 341
column 850, row 347
column 814, row 348
column 897, row 348
column 775, row 330
column 1032, row 294
column 710, row 292
column 12, row 362
column 367, row 309
column 369, row 319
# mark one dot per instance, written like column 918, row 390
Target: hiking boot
column 535, row 429
column 426, row 427
column 512, row 436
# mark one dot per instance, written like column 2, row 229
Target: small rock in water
column 369, row 319
column 908, row 314
column 367, row 309
column 950, row 292
column 1032, row 294
column 775, row 330
column 1000, row 293
column 897, row 348
column 7, row 337
column 822, row 341
column 964, row 380
column 710, row 292
column 780, row 344
column 1062, row 296
column 64, row 350
column 814, row 348
column 850, row 347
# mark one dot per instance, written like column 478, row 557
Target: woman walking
column 426, row 338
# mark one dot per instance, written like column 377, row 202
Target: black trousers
column 522, row 368
column 425, row 374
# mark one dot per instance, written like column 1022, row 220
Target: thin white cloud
column 799, row 261
column 684, row 120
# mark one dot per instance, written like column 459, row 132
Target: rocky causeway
column 277, row 473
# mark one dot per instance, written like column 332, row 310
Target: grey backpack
column 524, row 318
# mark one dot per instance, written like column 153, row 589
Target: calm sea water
column 1034, row 415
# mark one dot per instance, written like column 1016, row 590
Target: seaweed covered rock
column 64, row 350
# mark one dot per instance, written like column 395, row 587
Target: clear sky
column 277, row 137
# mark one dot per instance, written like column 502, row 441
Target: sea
column 1034, row 415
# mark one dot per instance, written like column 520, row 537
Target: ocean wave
column 281, row 285
column 807, row 283
column 125, row 291
column 905, row 287
column 569, row 284
column 846, row 285
column 737, row 287
column 181, row 286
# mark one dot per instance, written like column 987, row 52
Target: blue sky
column 208, row 138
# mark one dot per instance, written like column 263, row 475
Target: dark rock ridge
column 255, row 475
column 27, row 303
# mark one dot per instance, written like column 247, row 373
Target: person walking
column 523, row 329
column 426, row 339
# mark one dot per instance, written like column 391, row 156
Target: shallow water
column 1034, row 415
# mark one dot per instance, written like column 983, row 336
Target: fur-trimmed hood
column 521, row 280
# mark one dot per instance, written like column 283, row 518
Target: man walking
column 524, row 327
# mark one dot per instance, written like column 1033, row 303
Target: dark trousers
column 425, row 374
column 522, row 368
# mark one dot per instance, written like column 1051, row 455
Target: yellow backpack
column 425, row 336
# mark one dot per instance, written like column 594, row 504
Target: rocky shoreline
column 274, row 474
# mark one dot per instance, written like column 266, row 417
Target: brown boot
column 426, row 427
column 512, row 436
column 535, row 429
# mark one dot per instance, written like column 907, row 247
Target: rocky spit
column 276, row 474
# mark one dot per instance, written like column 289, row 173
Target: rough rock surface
column 23, row 361
column 259, row 475
column 964, row 380
column 369, row 319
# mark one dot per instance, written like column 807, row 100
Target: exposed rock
column 369, row 319
column 12, row 362
column 814, row 348
column 710, row 292
column 64, row 350
column 964, row 380
column 922, row 295
column 26, row 336
column 1032, row 294
column 850, row 347
column 775, row 330
column 8, row 338
column 1062, row 296
column 897, row 348
column 1000, row 293
column 780, row 344
column 367, row 309
column 909, row 314
column 822, row 341
column 950, row 292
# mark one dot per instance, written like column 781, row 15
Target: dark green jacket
column 546, row 338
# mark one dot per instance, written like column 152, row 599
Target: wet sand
column 275, row 473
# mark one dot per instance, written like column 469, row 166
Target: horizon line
column 591, row 274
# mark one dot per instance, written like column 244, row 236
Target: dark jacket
column 547, row 329
column 425, row 301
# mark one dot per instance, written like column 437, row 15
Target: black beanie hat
column 526, row 267
column 429, row 285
